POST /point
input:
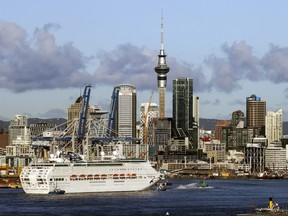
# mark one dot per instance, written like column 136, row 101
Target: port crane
column 83, row 113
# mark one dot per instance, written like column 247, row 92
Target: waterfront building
column 215, row 150
column 123, row 111
column 255, row 113
column 273, row 126
column 184, row 124
column 255, row 157
column 162, row 69
column 19, row 151
column 275, row 157
column 148, row 111
column 4, row 137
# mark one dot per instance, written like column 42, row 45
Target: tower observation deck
column 162, row 69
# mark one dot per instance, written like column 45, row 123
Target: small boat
column 57, row 191
column 161, row 187
column 15, row 184
column 273, row 207
column 202, row 184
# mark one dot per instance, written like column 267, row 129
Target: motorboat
column 202, row 184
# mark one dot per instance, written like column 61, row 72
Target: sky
column 49, row 51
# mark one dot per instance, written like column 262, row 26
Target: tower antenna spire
column 162, row 31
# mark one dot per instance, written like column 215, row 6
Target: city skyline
column 51, row 50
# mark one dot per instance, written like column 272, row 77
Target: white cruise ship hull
column 92, row 177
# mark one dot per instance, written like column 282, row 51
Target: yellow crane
column 145, row 120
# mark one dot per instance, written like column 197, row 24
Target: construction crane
column 145, row 121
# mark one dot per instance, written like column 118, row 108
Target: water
column 223, row 197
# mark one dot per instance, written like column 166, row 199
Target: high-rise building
column 275, row 157
column 162, row 69
column 255, row 157
column 148, row 111
column 219, row 126
column 74, row 111
column 255, row 113
column 184, row 124
column 237, row 117
column 19, row 150
column 273, row 127
column 123, row 111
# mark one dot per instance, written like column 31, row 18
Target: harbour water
column 222, row 197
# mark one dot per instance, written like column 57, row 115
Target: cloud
column 209, row 102
column 238, row 102
column 127, row 64
column 275, row 63
column 237, row 64
column 38, row 63
column 134, row 65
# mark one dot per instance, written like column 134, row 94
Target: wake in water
column 192, row 186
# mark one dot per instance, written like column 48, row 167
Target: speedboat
column 202, row 184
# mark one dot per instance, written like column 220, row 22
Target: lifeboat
column 122, row 176
column 73, row 177
column 103, row 176
column 115, row 176
column 82, row 177
column 89, row 177
column 96, row 176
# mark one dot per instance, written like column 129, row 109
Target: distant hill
column 206, row 124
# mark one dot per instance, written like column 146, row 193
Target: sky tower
column 162, row 69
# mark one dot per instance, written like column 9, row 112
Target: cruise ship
column 70, row 173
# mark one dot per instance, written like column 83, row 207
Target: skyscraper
column 273, row 127
column 162, row 69
column 123, row 111
column 184, row 124
column 255, row 113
